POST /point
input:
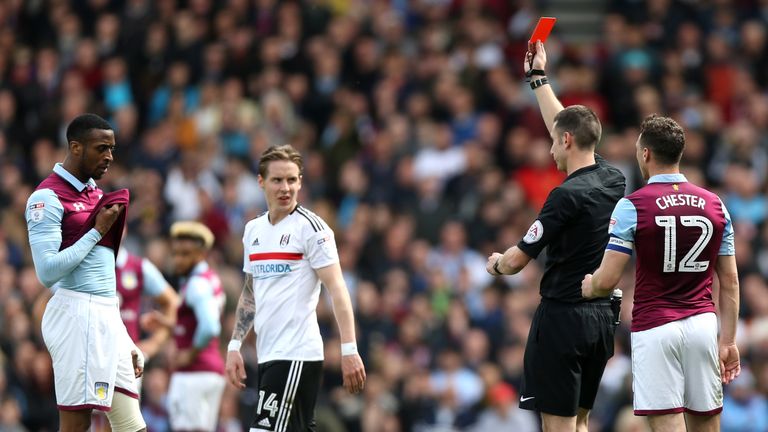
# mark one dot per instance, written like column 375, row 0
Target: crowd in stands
column 424, row 150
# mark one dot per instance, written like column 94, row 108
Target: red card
column 543, row 28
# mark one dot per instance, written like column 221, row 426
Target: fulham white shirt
column 282, row 259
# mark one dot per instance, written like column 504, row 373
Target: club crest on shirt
column 534, row 232
column 284, row 239
column 129, row 280
column 611, row 224
column 101, row 389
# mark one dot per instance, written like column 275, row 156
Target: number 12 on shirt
column 688, row 264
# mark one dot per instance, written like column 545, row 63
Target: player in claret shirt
column 288, row 251
column 136, row 278
column 682, row 234
column 95, row 364
column 197, row 383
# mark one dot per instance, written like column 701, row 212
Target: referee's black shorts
column 568, row 347
column 287, row 394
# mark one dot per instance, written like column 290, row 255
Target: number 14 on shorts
column 270, row 404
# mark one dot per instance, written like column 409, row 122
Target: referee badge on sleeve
column 534, row 232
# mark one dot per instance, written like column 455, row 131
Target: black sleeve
column 558, row 211
column 615, row 174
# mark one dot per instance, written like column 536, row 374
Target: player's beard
column 97, row 173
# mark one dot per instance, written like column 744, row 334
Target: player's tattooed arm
column 246, row 310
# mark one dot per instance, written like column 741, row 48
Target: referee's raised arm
column 535, row 66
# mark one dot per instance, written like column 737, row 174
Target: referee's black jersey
column 573, row 225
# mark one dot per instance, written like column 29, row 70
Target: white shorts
column 87, row 343
column 194, row 399
column 676, row 368
column 126, row 381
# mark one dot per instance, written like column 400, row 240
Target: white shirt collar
column 667, row 178
column 66, row 175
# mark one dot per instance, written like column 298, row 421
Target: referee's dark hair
column 582, row 123
column 664, row 137
column 79, row 128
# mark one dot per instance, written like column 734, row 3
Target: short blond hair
column 194, row 231
column 280, row 153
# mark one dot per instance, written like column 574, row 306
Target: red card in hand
column 543, row 28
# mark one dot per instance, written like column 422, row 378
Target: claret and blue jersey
column 136, row 277
column 678, row 230
column 55, row 215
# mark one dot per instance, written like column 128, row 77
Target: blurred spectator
column 741, row 146
column 744, row 409
column 117, row 87
column 461, row 266
column 455, row 387
column 178, row 81
column 503, row 413
column 154, row 401
column 184, row 185
column 539, row 175
column 745, row 203
column 10, row 416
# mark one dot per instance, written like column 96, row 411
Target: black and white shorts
column 287, row 394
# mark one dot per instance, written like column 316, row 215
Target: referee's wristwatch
column 539, row 82
column 532, row 72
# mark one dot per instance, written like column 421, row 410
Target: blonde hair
column 280, row 153
column 194, row 231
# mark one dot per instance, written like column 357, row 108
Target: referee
column 570, row 339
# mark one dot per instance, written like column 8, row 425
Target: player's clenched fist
column 106, row 217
